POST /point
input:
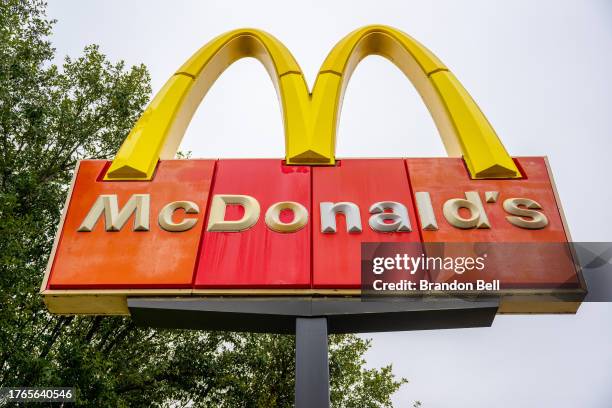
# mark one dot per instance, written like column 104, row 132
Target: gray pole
column 311, row 319
column 311, row 363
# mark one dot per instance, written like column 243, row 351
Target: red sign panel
column 363, row 182
column 257, row 257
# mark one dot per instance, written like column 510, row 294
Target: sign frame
column 115, row 301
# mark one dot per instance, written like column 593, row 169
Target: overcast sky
column 541, row 72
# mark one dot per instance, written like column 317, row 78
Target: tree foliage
column 50, row 117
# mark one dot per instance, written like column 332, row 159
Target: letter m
column 115, row 219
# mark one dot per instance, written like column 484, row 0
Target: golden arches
column 310, row 120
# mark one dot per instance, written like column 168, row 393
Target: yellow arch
column 158, row 132
column 310, row 120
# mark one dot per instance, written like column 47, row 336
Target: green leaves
column 50, row 117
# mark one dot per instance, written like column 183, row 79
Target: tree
column 50, row 117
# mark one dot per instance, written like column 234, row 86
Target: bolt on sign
column 146, row 224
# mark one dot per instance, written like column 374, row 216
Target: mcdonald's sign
column 147, row 224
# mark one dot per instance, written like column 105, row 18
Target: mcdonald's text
column 290, row 216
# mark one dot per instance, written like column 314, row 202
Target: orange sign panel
column 538, row 262
column 129, row 258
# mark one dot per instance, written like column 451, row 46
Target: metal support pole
column 311, row 319
column 311, row 363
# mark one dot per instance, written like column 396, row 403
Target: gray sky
column 539, row 70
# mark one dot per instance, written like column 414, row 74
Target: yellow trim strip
column 310, row 119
